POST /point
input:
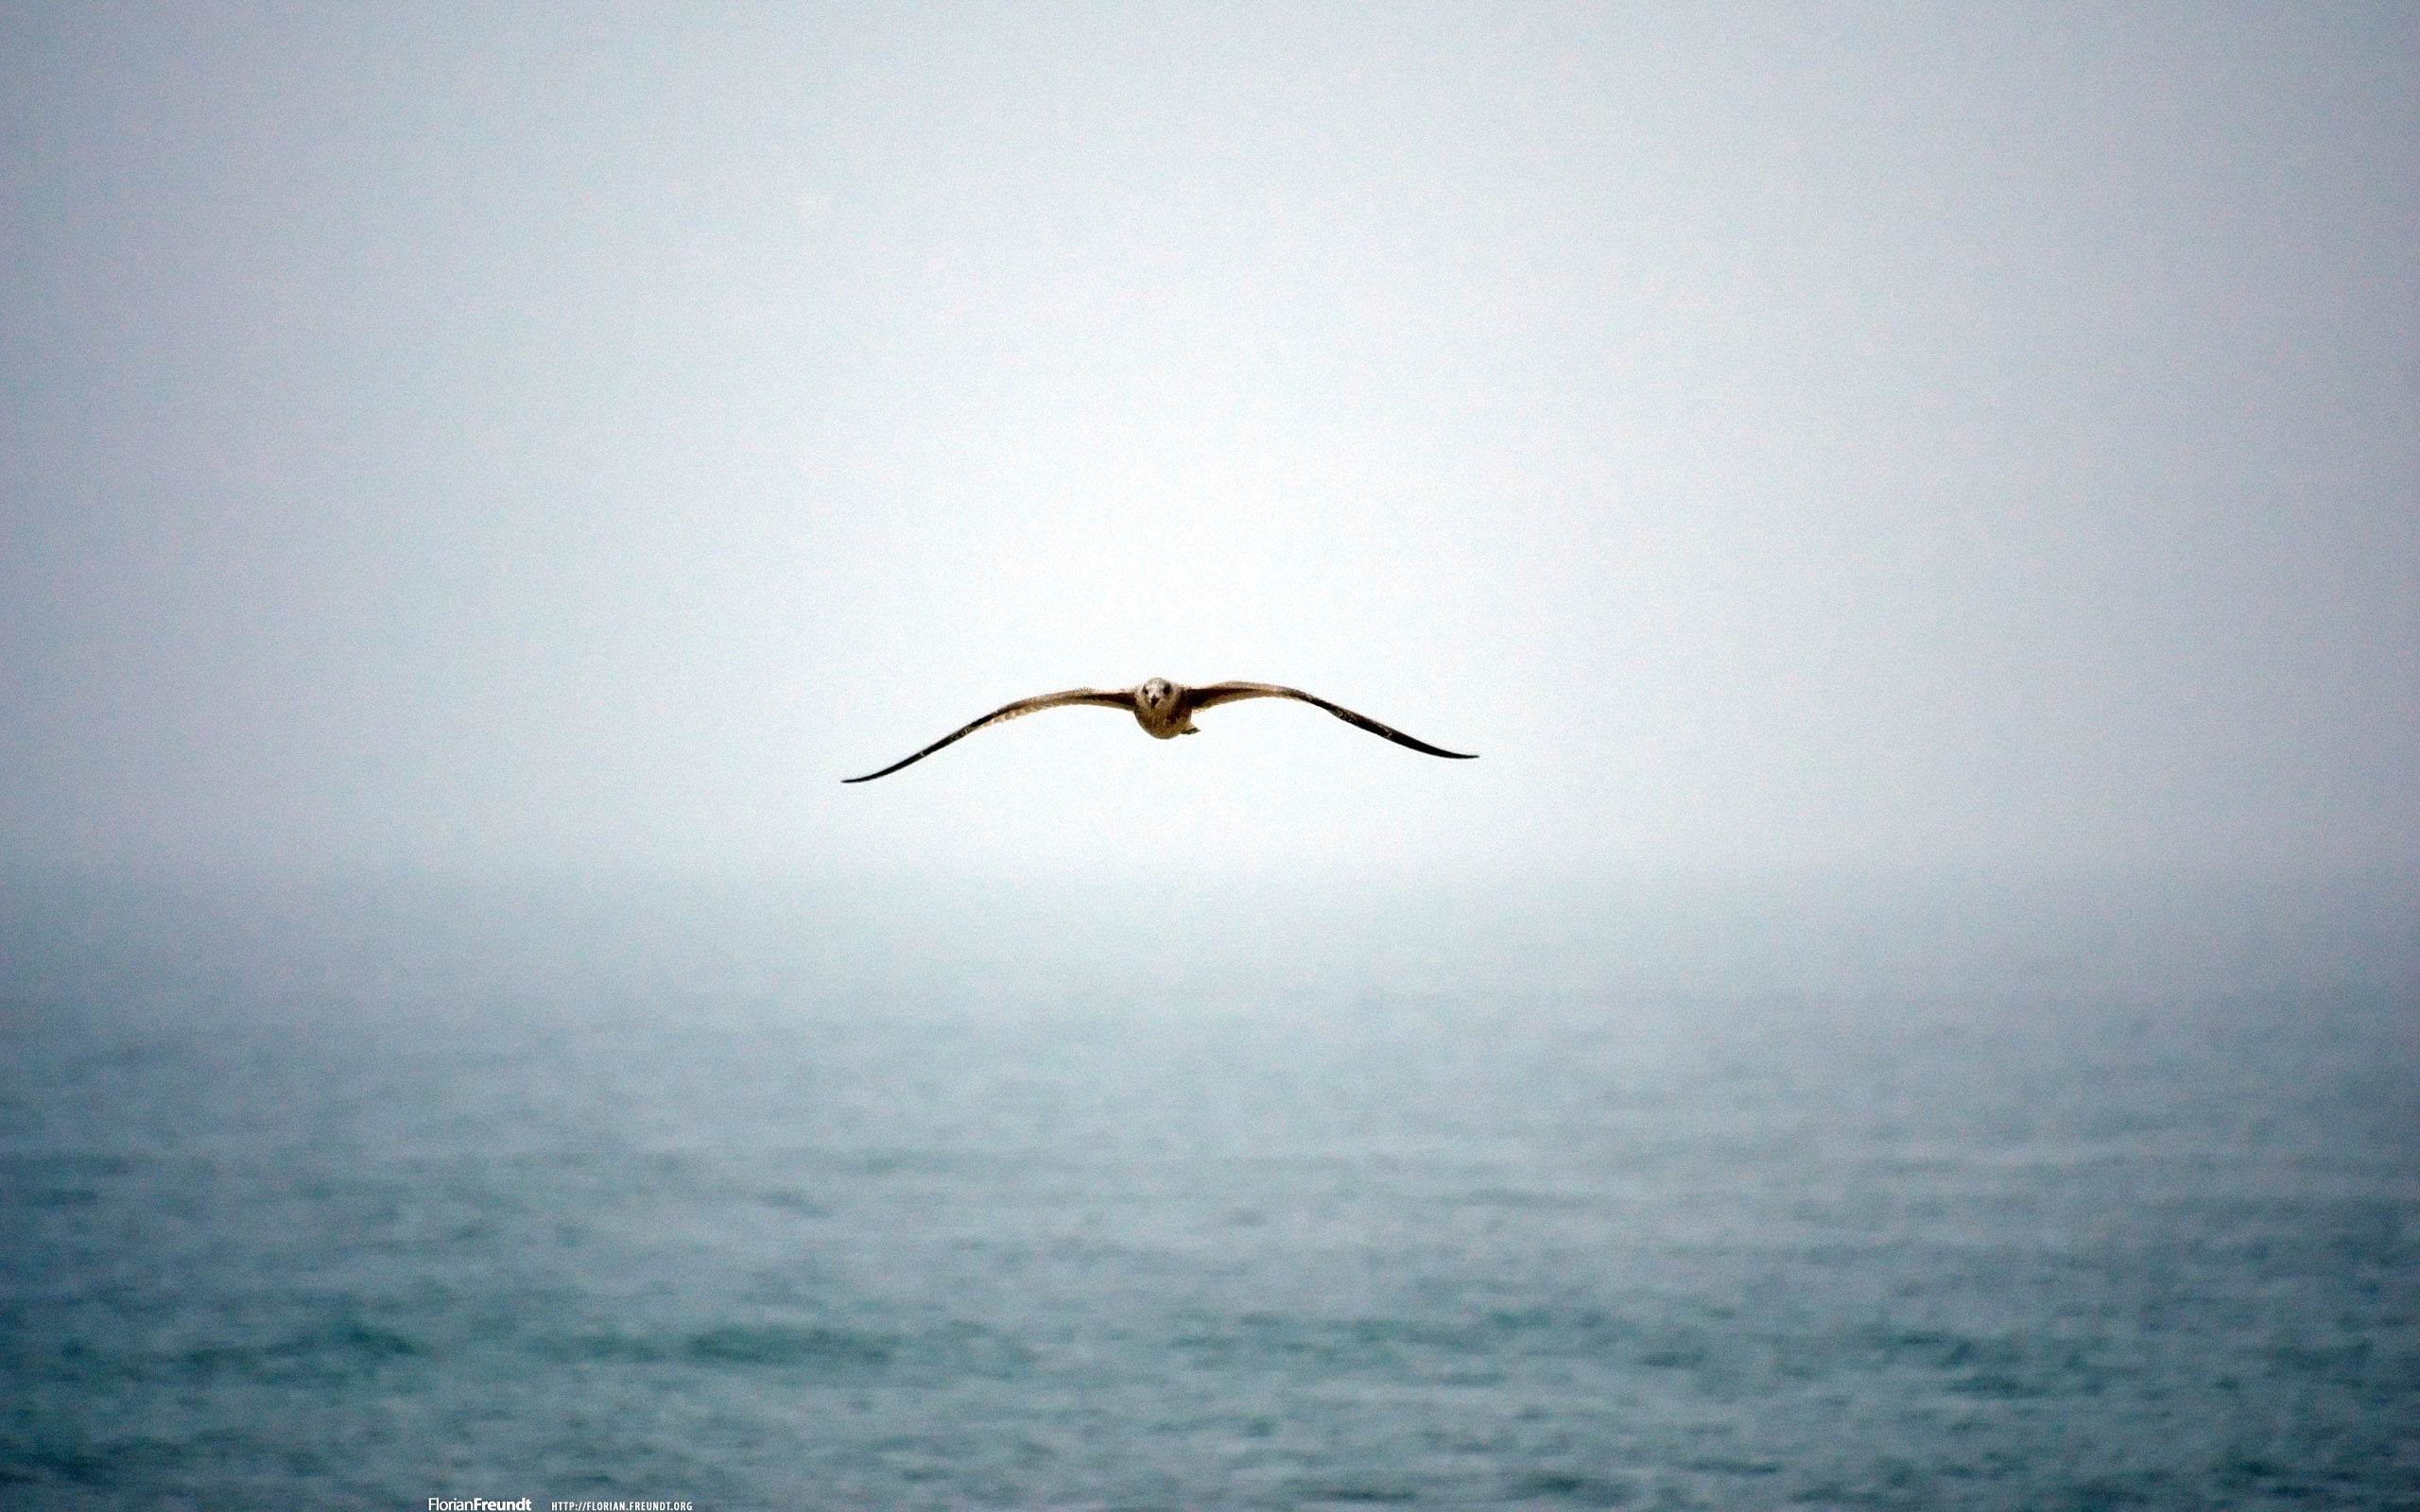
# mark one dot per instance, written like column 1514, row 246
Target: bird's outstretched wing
column 1122, row 698
column 1218, row 693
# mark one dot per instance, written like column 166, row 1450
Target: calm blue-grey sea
column 377, row 1200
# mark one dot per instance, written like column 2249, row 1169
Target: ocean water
column 410, row 1222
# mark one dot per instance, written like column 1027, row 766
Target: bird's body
column 1166, row 711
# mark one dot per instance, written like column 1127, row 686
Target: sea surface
column 401, row 1222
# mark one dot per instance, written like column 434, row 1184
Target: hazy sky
column 1775, row 438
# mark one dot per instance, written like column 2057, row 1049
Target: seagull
column 1166, row 711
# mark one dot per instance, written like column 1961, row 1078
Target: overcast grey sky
column 1776, row 437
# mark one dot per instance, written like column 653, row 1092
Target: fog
column 1783, row 441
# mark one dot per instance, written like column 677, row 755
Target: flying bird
column 1166, row 711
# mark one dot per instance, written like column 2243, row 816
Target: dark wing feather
column 1218, row 693
column 1123, row 699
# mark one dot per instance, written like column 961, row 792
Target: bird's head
column 1158, row 693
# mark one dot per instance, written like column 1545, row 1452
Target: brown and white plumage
column 1166, row 711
